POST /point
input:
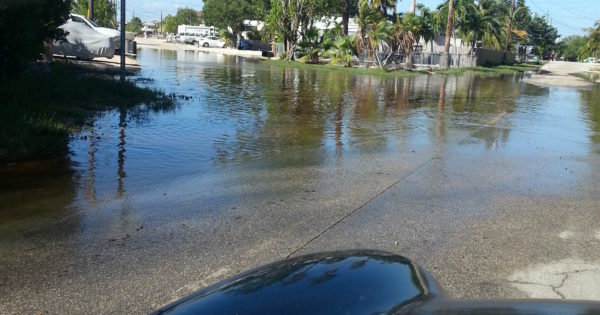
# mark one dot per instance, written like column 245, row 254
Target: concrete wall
column 488, row 57
column 481, row 57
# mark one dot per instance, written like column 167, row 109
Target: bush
column 37, row 21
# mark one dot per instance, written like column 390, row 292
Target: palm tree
column 342, row 51
column 509, row 29
column 367, row 17
column 482, row 22
column 593, row 43
column 446, row 62
column 309, row 47
column 378, row 36
column 408, row 30
column 403, row 37
column 383, row 6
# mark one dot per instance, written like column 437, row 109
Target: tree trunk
column 345, row 17
column 446, row 56
column 413, row 6
column 47, row 54
column 294, row 25
column 409, row 64
column 508, row 31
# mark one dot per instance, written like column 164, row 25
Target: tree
column 593, row 44
column 187, row 16
column 509, row 30
column 409, row 29
column 378, row 36
column 228, row 15
column 104, row 11
column 170, row 24
column 342, row 51
column 135, row 25
column 483, row 22
column 384, row 7
column 542, row 35
column 573, row 48
column 37, row 21
column 446, row 57
column 521, row 21
column 367, row 18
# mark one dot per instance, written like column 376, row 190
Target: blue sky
column 569, row 16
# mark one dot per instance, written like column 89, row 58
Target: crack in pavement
column 489, row 123
column 555, row 289
column 565, row 287
column 419, row 167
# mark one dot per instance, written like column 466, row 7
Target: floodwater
column 245, row 134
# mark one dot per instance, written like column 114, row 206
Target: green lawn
column 353, row 70
column 498, row 70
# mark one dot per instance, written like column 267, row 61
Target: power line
column 580, row 29
column 572, row 9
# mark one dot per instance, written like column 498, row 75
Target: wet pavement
column 479, row 180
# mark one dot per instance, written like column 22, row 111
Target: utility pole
column 123, row 41
column 91, row 9
column 161, row 22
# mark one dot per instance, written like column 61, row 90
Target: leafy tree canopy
column 37, row 22
column 104, row 11
column 135, row 25
column 542, row 35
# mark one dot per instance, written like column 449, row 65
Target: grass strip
column 42, row 108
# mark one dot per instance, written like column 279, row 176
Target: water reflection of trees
column 591, row 106
column 299, row 113
column 483, row 102
column 134, row 116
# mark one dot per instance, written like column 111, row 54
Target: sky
column 568, row 16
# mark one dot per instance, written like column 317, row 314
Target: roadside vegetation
column 44, row 107
column 44, row 103
column 580, row 48
column 483, row 71
column 383, row 34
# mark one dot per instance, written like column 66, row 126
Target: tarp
column 84, row 42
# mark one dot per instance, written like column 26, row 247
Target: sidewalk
column 561, row 74
column 162, row 44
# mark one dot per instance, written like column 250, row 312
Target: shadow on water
column 41, row 194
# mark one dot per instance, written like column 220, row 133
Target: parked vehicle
column 83, row 42
column 211, row 41
column 350, row 282
column 532, row 59
column 193, row 39
column 115, row 34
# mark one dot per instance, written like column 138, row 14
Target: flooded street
column 474, row 178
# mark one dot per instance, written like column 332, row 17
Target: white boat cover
column 84, row 42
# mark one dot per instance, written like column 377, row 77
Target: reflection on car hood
column 350, row 282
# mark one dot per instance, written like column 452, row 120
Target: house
column 149, row 28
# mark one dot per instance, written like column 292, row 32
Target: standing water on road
column 257, row 160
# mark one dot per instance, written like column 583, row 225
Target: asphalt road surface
column 500, row 203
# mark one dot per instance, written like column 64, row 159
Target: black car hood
column 349, row 282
